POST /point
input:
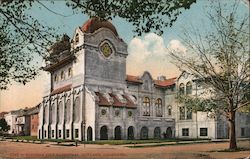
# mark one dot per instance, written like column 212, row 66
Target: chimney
column 161, row 78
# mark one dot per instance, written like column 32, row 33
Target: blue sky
column 147, row 51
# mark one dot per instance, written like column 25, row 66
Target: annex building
column 90, row 96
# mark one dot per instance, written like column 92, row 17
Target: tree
column 219, row 58
column 145, row 15
column 3, row 125
column 22, row 36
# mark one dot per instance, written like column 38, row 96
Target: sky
column 148, row 52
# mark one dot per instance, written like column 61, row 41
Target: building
column 23, row 121
column 204, row 124
column 90, row 97
column 11, row 119
column 34, row 120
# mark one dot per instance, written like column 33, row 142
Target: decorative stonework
column 106, row 49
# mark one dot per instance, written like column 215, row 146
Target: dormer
column 147, row 81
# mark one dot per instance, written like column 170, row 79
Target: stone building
column 90, row 97
column 203, row 124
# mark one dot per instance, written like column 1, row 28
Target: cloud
column 176, row 45
column 151, row 54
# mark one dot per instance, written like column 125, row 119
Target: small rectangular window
column 203, row 131
column 53, row 133
column 242, row 131
column 60, row 133
column 45, row 133
column 67, row 133
column 76, row 133
column 185, row 132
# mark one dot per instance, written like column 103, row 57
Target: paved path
column 91, row 151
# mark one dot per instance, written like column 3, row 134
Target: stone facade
column 203, row 124
column 90, row 97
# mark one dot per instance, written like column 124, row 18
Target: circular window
column 104, row 111
column 117, row 113
column 106, row 49
column 130, row 113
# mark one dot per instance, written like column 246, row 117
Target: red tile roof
column 133, row 79
column 129, row 104
column 104, row 102
column 95, row 23
column 116, row 103
column 165, row 83
column 61, row 89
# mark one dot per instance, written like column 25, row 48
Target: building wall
column 11, row 121
column 93, row 72
column 34, row 122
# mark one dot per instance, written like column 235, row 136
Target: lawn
column 102, row 142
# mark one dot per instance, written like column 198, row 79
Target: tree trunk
column 232, row 134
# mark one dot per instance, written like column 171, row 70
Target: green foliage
column 22, row 37
column 4, row 126
column 219, row 58
column 201, row 104
column 146, row 16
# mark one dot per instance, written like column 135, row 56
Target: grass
column 165, row 144
column 125, row 142
column 102, row 142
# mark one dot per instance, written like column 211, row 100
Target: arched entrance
column 144, row 132
column 169, row 132
column 118, row 133
column 104, row 133
column 89, row 134
column 130, row 133
column 157, row 133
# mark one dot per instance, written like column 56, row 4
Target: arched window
column 76, row 110
column 77, row 38
column 62, row 75
column 146, row 106
column 189, row 88
column 70, row 72
column 144, row 133
column 169, row 110
column 104, row 133
column 118, row 133
column 158, row 107
column 130, row 133
column 89, row 134
column 55, row 78
column 157, row 133
column 181, row 89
